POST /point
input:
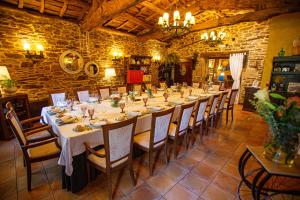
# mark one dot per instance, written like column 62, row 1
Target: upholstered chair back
column 11, row 116
column 214, row 103
column 57, row 97
column 222, row 101
column 161, row 123
column 233, row 95
column 118, row 140
column 122, row 89
column 201, row 110
column 104, row 93
column 196, row 85
column 187, row 111
column 83, row 96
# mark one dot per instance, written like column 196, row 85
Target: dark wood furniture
column 21, row 105
column 249, row 96
column 211, row 112
column 37, row 150
column 184, row 71
column 285, row 70
column 220, row 108
column 230, row 103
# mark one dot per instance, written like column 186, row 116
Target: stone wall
column 57, row 35
column 251, row 37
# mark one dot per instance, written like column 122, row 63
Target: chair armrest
column 39, row 129
column 33, row 128
column 36, row 144
column 34, row 119
column 91, row 150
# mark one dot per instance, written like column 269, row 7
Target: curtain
column 236, row 65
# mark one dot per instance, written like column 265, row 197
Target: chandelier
column 177, row 28
column 213, row 39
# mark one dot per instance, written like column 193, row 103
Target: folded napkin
column 192, row 98
column 96, row 123
column 66, row 120
column 134, row 113
column 54, row 110
column 93, row 99
column 177, row 102
column 155, row 108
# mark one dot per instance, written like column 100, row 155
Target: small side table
column 270, row 178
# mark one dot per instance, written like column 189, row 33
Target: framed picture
column 294, row 87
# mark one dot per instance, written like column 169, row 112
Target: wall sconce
column 117, row 55
column 37, row 54
column 212, row 38
column 156, row 59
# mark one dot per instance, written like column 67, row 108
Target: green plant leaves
column 277, row 96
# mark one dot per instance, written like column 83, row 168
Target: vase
column 281, row 155
column 115, row 103
column 10, row 90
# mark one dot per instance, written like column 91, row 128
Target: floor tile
column 194, row 183
column 226, row 182
column 144, row 192
column 179, row 192
column 214, row 193
column 204, row 171
column 161, row 183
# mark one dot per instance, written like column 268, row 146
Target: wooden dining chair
column 122, row 89
column 56, row 97
column 181, row 128
column 31, row 127
column 37, row 151
column 157, row 137
column 210, row 114
column 196, row 85
column 104, row 92
column 216, row 87
column 230, row 104
column 82, row 95
column 117, row 152
column 220, row 108
column 196, row 121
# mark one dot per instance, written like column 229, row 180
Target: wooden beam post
column 21, row 4
column 64, row 8
column 101, row 11
column 42, row 7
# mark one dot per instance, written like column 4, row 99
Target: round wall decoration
column 91, row 69
column 71, row 62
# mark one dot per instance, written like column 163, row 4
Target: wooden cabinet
column 21, row 105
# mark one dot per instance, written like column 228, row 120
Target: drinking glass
column 83, row 110
column 166, row 95
column 70, row 103
column 145, row 99
column 91, row 112
column 181, row 93
column 122, row 106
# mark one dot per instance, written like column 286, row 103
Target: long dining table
column 73, row 158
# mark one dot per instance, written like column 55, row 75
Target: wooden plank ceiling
column 139, row 17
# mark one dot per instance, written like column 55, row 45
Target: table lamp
column 4, row 75
column 110, row 72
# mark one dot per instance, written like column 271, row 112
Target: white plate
column 97, row 123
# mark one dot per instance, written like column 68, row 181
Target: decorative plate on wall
column 91, row 69
column 71, row 62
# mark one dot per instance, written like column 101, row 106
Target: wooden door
column 184, row 72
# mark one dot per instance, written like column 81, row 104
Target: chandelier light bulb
column 26, row 46
column 166, row 17
column 176, row 15
column 188, row 16
column 160, row 21
column 193, row 21
column 40, row 47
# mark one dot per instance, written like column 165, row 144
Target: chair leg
column 24, row 162
column 232, row 114
column 186, row 135
column 193, row 137
column 220, row 119
column 150, row 164
column 175, row 148
column 201, row 133
column 166, row 153
column 88, row 168
column 227, row 115
column 28, row 176
column 109, row 185
column 132, row 174
column 216, row 120
column 206, row 126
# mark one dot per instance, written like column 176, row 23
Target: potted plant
column 284, row 122
column 9, row 86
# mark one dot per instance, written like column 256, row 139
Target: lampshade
column 4, row 73
column 110, row 72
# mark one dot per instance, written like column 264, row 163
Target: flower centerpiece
column 284, row 122
column 115, row 98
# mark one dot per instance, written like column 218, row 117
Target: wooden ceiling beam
column 260, row 15
column 101, row 11
column 122, row 25
column 21, row 4
column 136, row 20
column 42, row 7
column 64, row 8
column 114, row 31
column 153, row 7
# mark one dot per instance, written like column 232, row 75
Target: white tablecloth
column 72, row 143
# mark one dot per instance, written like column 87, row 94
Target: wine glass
column 83, row 110
column 166, row 95
column 145, row 99
column 91, row 112
column 122, row 106
column 181, row 93
column 70, row 103
column 190, row 91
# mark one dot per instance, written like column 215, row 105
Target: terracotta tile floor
column 208, row 171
